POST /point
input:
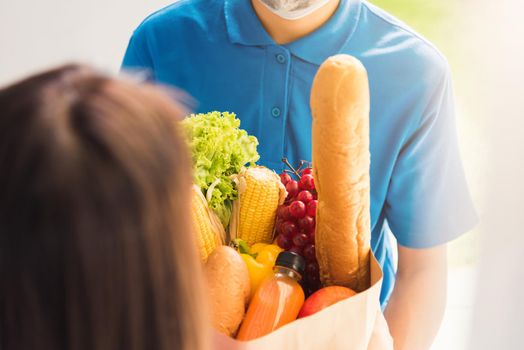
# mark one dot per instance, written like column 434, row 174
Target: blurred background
column 35, row 35
column 451, row 26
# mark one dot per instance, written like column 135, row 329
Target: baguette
column 341, row 160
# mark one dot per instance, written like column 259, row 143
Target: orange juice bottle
column 277, row 301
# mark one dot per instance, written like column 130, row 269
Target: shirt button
column 281, row 58
column 275, row 112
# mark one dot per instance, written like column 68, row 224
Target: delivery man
column 257, row 58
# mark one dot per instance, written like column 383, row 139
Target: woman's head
column 95, row 247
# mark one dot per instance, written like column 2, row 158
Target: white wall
column 35, row 35
column 499, row 311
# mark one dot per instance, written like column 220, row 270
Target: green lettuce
column 219, row 149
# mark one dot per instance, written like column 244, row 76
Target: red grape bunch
column 295, row 226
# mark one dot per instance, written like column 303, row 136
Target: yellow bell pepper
column 258, row 247
column 267, row 255
column 260, row 260
column 257, row 272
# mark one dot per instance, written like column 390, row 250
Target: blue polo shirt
column 218, row 52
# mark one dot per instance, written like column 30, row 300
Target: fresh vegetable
column 257, row 272
column 260, row 260
column 260, row 194
column 323, row 298
column 219, row 149
column 209, row 230
column 267, row 254
column 262, row 247
column 229, row 289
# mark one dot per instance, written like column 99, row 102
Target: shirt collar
column 243, row 25
column 245, row 28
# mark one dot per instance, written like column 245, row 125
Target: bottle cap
column 292, row 261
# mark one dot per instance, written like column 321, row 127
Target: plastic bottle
column 277, row 301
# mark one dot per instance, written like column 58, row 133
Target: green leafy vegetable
column 219, row 149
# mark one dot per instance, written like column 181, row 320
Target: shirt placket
column 275, row 101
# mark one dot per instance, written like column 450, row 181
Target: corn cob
column 209, row 230
column 260, row 194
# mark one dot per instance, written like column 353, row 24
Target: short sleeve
column 137, row 58
column 428, row 202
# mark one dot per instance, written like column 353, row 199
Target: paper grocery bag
column 356, row 323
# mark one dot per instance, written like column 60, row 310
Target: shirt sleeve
column 138, row 59
column 428, row 202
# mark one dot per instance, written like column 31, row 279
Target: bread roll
column 340, row 109
column 228, row 287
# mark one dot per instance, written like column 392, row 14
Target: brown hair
column 96, row 250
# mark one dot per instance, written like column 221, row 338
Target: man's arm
column 416, row 307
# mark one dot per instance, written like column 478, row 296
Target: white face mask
column 293, row 9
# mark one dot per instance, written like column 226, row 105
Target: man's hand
column 416, row 307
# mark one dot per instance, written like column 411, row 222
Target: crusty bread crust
column 341, row 160
column 228, row 287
